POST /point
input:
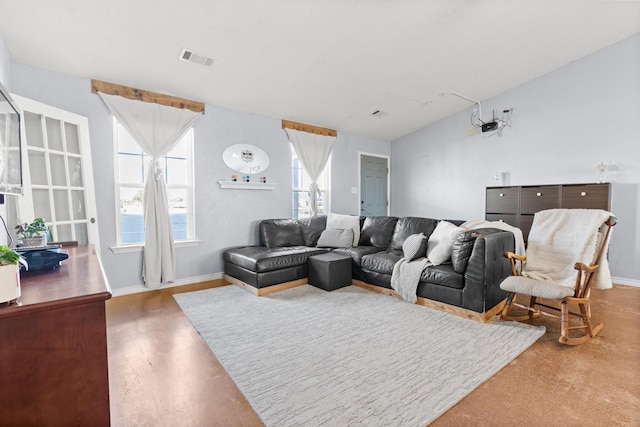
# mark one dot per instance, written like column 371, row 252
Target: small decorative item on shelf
column 247, row 178
column 234, row 178
column 263, row 180
column 33, row 234
column 10, row 274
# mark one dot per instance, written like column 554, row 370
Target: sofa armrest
column 486, row 269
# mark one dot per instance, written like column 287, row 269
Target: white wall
column 224, row 218
column 564, row 124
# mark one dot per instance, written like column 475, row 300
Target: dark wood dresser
column 516, row 205
column 53, row 348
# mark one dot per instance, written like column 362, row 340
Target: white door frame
column 382, row 156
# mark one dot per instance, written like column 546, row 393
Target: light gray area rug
column 351, row 357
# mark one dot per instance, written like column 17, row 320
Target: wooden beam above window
column 145, row 96
column 308, row 128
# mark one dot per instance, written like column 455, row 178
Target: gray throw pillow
column 336, row 238
column 414, row 247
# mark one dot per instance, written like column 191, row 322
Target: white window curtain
column 313, row 151
column 157, row 129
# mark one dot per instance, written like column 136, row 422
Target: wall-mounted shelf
column 240, row 185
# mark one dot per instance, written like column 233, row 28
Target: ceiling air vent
column 380, row 114
column 188, row 56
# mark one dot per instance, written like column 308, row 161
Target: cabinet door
column 502, row 200
column 586, row 196
column 535, row 199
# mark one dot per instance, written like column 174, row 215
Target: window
column 131, row 169
column 301, row 182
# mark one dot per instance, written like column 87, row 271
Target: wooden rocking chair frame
column 582, row 292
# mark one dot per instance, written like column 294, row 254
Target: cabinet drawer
column 588, row 196
column 535, row 199
column 511, row 219
column 502, row 200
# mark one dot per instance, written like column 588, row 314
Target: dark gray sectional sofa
column 468, row 285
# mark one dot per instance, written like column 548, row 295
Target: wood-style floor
column 161, row 373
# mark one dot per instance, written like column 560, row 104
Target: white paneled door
column 57, row 173
column 374, row 173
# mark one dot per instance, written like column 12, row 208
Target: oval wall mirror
column 245, row 158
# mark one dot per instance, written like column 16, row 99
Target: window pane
column 176, row 172
column 61, row 205
column 180, row 150
column 126, row 143
column 81, row 234
column 130, row 169
column 38, row 167
column 131, row 217
column 33, row 127
column 58, row 170
column 178, row 211
column 75, row 171
column 71, row 133
column 54, row 134
column 64, row 233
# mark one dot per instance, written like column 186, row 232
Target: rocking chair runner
column 542, row 289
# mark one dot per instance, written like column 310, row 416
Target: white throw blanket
column 561, row 237
column 406, row 275
column 501, row 225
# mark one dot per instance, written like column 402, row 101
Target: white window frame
column 190, row 190
column 324, row 187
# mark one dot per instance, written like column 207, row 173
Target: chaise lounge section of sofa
column 467, row 284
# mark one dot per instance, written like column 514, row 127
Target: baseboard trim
column 129, row 290
column 626, row 282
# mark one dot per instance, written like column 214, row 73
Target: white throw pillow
column 441, row 242
column 336, row 238
column 338, row 221
column 414, row 247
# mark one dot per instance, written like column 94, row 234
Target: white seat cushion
column 536, row 288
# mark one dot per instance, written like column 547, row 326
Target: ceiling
column 330, row 63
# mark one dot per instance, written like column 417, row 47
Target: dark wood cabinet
column 53, row 356
column 516, row 205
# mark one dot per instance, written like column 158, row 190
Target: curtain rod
column 308, row 128
column 146, row 96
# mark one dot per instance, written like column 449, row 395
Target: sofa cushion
column 414, row 247
column 443, row 275
column 441, row 242
column 345, row 221
column 377, row 231
column 356, row 253
column 461, row 250
column 336, row 238
column 381, row 262
column 261, row 259
column 311, row 228
column 407, row 226
column 276, row 233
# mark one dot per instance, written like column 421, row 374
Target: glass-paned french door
column 57, row 173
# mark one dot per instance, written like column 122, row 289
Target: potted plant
column 10, row 274
column 33, row 234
